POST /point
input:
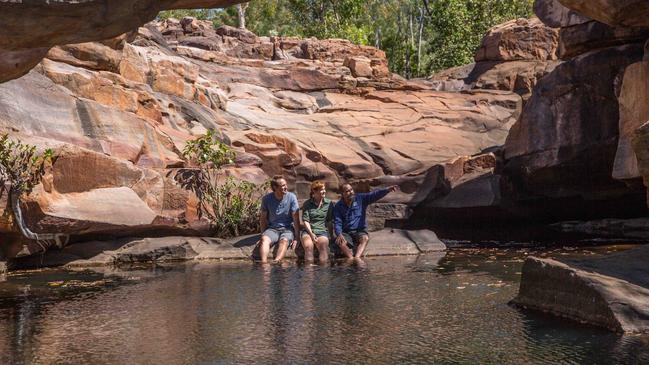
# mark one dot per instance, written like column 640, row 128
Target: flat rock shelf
column 610, row 291
column 163, row 249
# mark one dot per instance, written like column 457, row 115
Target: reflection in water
column 426, row 309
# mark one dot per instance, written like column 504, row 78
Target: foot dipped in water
column 359, row 262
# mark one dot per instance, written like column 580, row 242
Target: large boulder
column 520, row 39
column 610, row 291
column 513, row 56
column 627, row 13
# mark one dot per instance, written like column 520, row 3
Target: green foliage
column 208, row 149
column 234, row 207
column 202, row 14
column 457, row 27
column 21, row 165
column 231, row 205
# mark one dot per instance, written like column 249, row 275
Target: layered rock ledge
column 31, row 28
column 610, row 291
column 387, row 242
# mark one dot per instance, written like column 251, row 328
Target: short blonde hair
column 317, row 185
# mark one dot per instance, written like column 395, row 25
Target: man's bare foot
column 359, row 262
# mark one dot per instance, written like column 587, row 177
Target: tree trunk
column 60, row 239
column 377, row 38
column 422, row 19
column 241, row 11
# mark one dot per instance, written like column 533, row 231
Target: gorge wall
column 576, row 152
column 547, row 125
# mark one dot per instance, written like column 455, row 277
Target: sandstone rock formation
column 520, row 39
column 555, row 15
column 513, row 56
column 569, row 127
column 120, row 111
column 31, row 28
column 564, row 145
column 611, row 291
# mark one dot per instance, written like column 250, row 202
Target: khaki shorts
column 276, row 234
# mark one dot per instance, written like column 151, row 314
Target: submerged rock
column 610, row 292
column 607, row 228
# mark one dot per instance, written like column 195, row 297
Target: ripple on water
column 415, row 310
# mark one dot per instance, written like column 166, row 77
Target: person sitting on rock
column 278, row 219
column 350, row 228
column 316, row 214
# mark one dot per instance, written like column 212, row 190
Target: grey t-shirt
column 280, row 212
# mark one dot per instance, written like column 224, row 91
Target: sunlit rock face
column 120, row 111
column 30, row 28
column 520, row 39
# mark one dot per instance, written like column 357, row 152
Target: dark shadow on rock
column 244, row 241
column 60, row 257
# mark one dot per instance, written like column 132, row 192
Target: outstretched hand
column 393, row 188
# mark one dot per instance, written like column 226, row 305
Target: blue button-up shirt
column 353, row 217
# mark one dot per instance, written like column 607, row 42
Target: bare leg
column 264, row 247
column 346, row 250
column 323, row 249
column 361, row 246
column 281, row 250
column 307, row 244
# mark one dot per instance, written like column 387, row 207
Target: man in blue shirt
column 349, row 219
column 279, row 219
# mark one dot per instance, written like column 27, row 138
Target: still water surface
column 405, row 310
